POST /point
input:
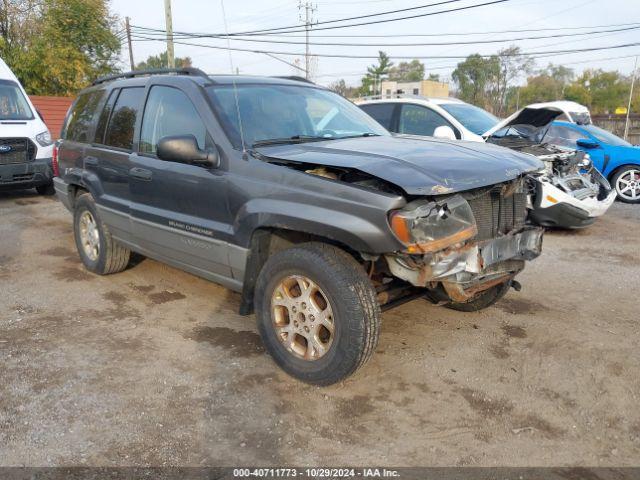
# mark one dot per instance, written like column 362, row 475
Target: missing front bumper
column 466, row 263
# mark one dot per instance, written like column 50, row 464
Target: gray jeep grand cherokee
column 293, row 196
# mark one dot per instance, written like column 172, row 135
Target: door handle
column 91, row 161
column 141, row 173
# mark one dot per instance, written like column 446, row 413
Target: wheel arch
column 264, row 242
column 620, row 167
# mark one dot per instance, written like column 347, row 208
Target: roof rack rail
column 391, row 96
column 294, row 77
column 154, row 71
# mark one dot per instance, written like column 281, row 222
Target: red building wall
column 53, row 109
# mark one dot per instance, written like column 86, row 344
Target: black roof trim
column 155, row 71
column 294, row 77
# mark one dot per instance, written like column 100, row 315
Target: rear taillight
column 54, row 162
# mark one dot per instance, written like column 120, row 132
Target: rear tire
column 483, row 300
column 98, row 250
column 301, row 288
column 626, row 181
column 45, row 189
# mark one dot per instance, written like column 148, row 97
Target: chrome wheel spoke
column 302, row 317
column 89, row 235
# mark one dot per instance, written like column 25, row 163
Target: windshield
column 281, row 112
column 605, row 137
column 13, row 105
column 472, row 118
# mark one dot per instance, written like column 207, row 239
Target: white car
column 433, row 117
column 26, row 146
column 568, row 193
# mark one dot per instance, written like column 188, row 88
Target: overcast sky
column 244, row 15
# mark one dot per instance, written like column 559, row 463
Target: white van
column 26, row 146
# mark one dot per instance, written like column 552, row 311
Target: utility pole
column 171, row 59
column 633, row 81
column 308, row 22
column 128, row 27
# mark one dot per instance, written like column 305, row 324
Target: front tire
column 483, row 300
column 317, row 312
column 626, row 181
column 99, row 251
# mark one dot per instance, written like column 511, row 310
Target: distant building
column 426, row 88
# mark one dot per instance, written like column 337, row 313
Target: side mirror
column 184, row 149
column 587, row 143
column 444, row 131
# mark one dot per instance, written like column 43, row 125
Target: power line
column 423, row 44
column 287, row 29
column 400, row 35
column 449, row 34
column 400, row 57
column 370, row 15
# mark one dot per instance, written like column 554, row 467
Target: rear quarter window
column 82, row 117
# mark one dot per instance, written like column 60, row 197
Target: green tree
column 434, row 77
column 71, row 42
column 376, row 73
column 512, row 66
column 476, row 78
column 601, row 91
column 412, row 71
column 161, row 61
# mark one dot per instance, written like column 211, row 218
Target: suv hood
column 418, row 165
column 534, row 116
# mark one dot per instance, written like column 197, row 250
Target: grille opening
column 21, row 150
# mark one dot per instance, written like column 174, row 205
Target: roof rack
column 294, row 77
column 154, row 71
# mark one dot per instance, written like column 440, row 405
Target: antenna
column 235, row 87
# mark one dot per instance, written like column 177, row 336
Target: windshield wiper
column 294, row 139
column 366, row 134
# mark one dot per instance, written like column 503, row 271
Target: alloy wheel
column 302, row 317
column 628, row 184
column 89, row 235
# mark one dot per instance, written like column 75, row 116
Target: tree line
column 504, row 82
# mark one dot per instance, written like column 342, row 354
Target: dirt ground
column 154, row 366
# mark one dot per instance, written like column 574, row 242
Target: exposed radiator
column 498, row 214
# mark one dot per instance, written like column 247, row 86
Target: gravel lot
column 153, row 366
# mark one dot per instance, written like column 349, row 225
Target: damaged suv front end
column 461, row 245
column 569, row 192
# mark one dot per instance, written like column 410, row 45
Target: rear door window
column 419, row 120
column 381, row 113
column 169, row 112
column 104, row 116
column 123, row 119
column 81, row 120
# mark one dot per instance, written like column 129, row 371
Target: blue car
column 618, row 160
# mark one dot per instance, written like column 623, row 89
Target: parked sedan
column 616, row 158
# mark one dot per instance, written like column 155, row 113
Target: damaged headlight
column 426, row 226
